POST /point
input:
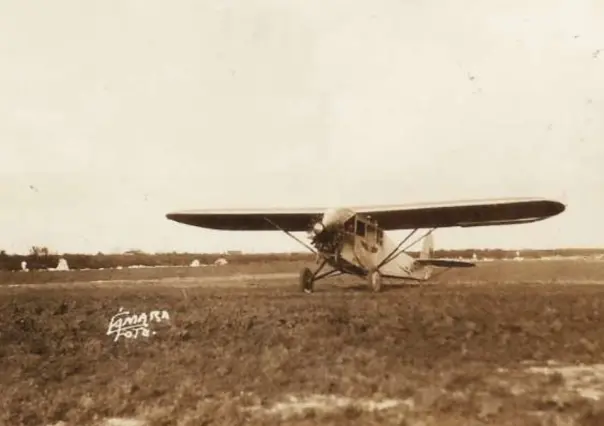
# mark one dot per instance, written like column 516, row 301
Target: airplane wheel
column 375, row 281
column 306, row 282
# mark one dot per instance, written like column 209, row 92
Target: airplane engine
column 333, row 219
column 325, row 233
column 318, row 228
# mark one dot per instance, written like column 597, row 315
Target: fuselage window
column 360, row 229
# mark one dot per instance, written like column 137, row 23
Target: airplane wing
column 291, row 220
column 409, row 216
column 489, row 212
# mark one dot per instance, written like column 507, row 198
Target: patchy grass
column 456, row 354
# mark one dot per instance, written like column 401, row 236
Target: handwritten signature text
column 131, row 325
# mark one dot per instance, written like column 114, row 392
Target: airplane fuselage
column 355, row 244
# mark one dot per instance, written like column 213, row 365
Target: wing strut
column 418, row 240
column 396, row 253
column 291, row 235
column 389, row 257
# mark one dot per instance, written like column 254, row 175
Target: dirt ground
column 508, row 343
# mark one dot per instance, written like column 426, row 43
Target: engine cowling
column 325, row 232
column 332, row 218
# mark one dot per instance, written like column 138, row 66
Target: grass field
column 484, row 346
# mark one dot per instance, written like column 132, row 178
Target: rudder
column 424, row 272
column 427, row 247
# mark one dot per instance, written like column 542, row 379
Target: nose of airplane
column 329, row 218
column 318, row 228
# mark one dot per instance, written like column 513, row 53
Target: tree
column 39, row 251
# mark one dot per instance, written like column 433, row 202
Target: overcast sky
column 115, row 112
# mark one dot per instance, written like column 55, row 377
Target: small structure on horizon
column 24, row 266
column 195, row 264
column 62, row 265
column 220, row 261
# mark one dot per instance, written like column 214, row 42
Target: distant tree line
column 43, row 258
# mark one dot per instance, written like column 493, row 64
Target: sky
column 114, row 113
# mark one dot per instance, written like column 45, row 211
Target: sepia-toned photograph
column 302, row 213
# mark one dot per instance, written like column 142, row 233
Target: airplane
column 352, row 240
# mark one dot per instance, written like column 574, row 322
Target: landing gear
column 306, row 280
column 375, row 280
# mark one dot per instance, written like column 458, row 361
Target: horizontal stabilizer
column 444, row 263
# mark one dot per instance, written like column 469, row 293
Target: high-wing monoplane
column 352, row 240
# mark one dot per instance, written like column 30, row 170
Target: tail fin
column 422, row 268
column 426, row 258
column 427, row 248
column 425, row 261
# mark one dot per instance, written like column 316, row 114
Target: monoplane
column 352, row 240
